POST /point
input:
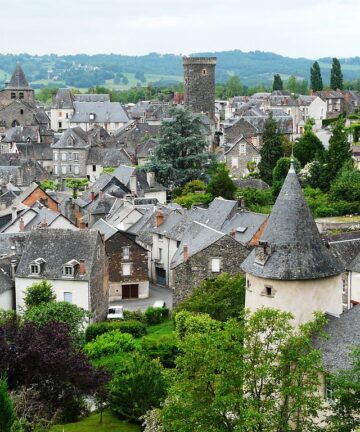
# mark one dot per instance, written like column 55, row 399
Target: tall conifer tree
column 277, row 84
column 336, row 78
column 316, row 78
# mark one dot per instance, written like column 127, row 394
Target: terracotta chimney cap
column 186, row 252
column 159, row 217
column 82, row 269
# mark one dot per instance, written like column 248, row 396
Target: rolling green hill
column 121, row 72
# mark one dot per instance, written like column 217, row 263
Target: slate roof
column 20, row 134
column 38, row 151
column 18, row 80
column 107, row 157
column 252, row 183
column 13, row 243
column 104, row 228
column 56, row 247
column 246, row 224
column 79, row 139
column 345, row 247
column 63, row 99
column 305, row 100
column 91, row 97
column 6, row 283
column 105, row 112
column 297, row 250
column 343, row 335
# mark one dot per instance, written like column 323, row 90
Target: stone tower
column 291, row 269
column 199, row 84
column 17, row 88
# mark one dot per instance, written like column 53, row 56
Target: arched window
column 15, row 123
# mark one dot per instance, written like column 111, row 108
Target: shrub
column 156, row 315
column 164, row 348
column 110, row 343
column 134, row 315
column 135, row 328
column 192, row 199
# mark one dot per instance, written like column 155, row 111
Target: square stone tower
column 199, row 84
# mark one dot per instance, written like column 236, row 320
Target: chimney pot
column 92, row 195
column 82, row 269
column 233, row 233
column 82, row 224
column 186, row 253
column 22, row 225
column 13, row 213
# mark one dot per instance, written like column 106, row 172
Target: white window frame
column 126, row 252
column 35, row 269
column 56, row 169
column 68, row 271
column 63, row 169
column 63, row 157
column 68, row 297
column 215, row 265
column 76, row 169
column 56, row 155
column 242, row 148
column 76, row 156
column 126, row 269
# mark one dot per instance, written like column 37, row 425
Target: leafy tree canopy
column 339, row 148
column 221, row 183
column 308, row 145
column 277, row 84
column 76, row 184
column 336, row 76
column 38, row 293
column 47, row 185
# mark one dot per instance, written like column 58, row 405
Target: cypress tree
column 339, row 149
column 316, row 78
column 277, row 84
column 271, row 150
column 336, row 78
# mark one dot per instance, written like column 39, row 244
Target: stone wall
column 18, row 112
column 6, row 99
column 190, row 274
column 99, row 294
column 250, row 154
column 199, row 84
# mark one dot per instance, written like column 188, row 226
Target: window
column 56, row 155
column 70, row 141
column 60, row 114
column 76, row 169
column 13, row 95
column 160, row 236
column 215, row 265
column 344, row 286
column 63, row 156
column 160, row 254
column 68, row 297
column 247, row 283
column 204, row 72
column 21, row 111
column 234, row 162
column 70, row 168
column 67, row 115
column 126, row 252
column 242, row 148
column 60, row 125
column 68, row 271
column 63, row 169
column 21, row 95
column 92, row 116
column 69, row 156
column 269, row 291
column 178, row 243
column 94, row 168
column 76, row 156
column 35, row 269
column 329, row 396
column 126, row 269
column 56, row 170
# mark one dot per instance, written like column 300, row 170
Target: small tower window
column 21, row 95
column 21, row 111
column 13, row 95
column 204, row 72
column 269, row 291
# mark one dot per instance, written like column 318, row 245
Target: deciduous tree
column 38, row 293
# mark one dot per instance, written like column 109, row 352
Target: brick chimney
column 186, row 252
column 82, row 224
column 92, row 195
column 13, row 213
column 159, row 218
column 232, row 233
column 22, row 225
column 82, row 269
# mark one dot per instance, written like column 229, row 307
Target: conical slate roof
column 18, row 80
column 293, row 246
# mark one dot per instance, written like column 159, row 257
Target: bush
column 156, row 315
column 164, row 348
column 110, row 343
column 189, row 200
column 134, row 315
column 135, row 328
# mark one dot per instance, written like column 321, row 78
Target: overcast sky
column 300, row 28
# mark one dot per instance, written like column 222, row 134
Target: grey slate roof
column 12, row 243
column 18, row 80
column 246, row 224
column 345, row 247
column 105, row 112
column 107, row 157
column 38, row 151
column 297, row 250
column 252, row 183
column 63, row 99
column 56, row 247
column 78, row 136
column 343, row 336
column 20, row 134
column 104, row 228
column 6, row 283
column 91, row 97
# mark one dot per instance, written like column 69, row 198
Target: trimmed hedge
column 134, row 316
column 156, row 315
column 132, row 327
column 165, row 349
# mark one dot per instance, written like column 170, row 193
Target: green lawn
column 91, row 423
column 157, row 330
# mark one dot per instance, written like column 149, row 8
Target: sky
column 301, row 28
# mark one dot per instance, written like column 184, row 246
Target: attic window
column 70, row 141
column 68, row 271
column 21, row 95
column 92, row 116
column 35, row 269
column 241, row 229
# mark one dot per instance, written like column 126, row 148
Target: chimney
column 44, row 223
column 133, row 184
column 82, row 269
column 159, row 218
column 22, row 225
column 13, row 213
column 311, row 92
column 232, row 233
column 186, row 252
column 150, row 179
column 13, row 268
column 82, row 224
column 92, row 195
column 101, row 194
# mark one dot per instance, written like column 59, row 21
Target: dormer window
column 69, row 268
column 36, row 266
column 92, row 116
column 70, row 141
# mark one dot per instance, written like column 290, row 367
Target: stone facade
column 137, row 258
column 7, row 96
column 70, row 162
column 240, row 128
column 239, row 155
column 17, row 113
column 199, row 80
column 191, row 273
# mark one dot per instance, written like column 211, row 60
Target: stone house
column 78, row 275
column 239, row 154
column 128, row 264
column 334, row 102
column 242, row 128
column 312, row 107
